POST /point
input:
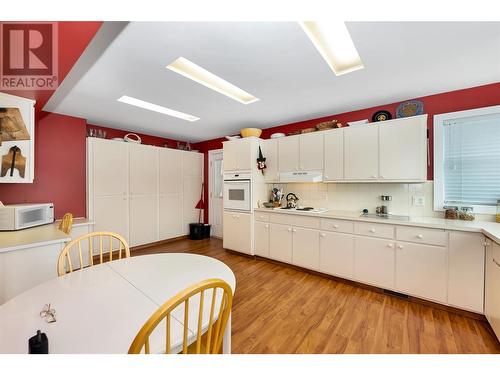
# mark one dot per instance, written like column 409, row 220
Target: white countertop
column 489, row 229
column 36, row 236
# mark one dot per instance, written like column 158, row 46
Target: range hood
column 302, row 176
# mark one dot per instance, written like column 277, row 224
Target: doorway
column 215, row 191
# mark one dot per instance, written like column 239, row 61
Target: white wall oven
column 237, row 191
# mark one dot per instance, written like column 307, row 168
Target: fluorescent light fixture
column 156, row 108
column 334, row 43
column 192, row 71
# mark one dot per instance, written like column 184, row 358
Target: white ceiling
column 276, row 62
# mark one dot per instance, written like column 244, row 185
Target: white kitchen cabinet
column 334, row 155
column 143, row 219
column 111, row 214
column 170, row 216
column 237, row 231
column 109, row 167
column 288, row 153
column 305, row 248
column 374, row 261
column 261, row 239
column 170, row 165
column 192, row 165
column 336, row 255
column 403, row 149
column 421, row 270
column 311, row 151
column 492, row 285
column 361, row 153
column 270, row 151
column 238, row 155
column 466, row 271
column 280, row 242
column 143, row 169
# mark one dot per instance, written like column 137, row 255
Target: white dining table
column 100, row 309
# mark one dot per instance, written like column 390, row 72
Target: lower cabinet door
column 237, row 232
column 111, row 214
column 421, row 270
column 305, row 247
column 261, row 239
column 170, row 216
column 374, row 261
column 143, row 219
column 280, row 242
column 336, row 254
column 492, row 295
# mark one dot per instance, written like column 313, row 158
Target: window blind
column 472, row 160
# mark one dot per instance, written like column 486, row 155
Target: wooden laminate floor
column 279, row 309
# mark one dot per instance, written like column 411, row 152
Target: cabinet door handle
column 322, row 235
column 374, row 176
column 400, row 246
column 294, row 230
column 266, row 226
column 326, row 177
column 335, row 226
column 390, row 245
column 382, row 176
column 420, row 236
column 372, row 230
column 487, row 243
column 289, row 229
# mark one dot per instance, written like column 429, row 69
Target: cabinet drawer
column 335, row 225
column 261, row 216
column 374, row 230
column 295, row 220
column 435, row 237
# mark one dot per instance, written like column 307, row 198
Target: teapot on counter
column 291, row 200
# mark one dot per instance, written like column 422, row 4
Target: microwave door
column 237, row 195
column 30, row 217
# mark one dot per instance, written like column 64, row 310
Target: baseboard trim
column 157, row 243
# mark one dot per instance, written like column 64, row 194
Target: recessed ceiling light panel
column 196, row 73
column 334, row 43
column 156, row 108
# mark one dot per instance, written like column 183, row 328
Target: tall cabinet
column 144, row 193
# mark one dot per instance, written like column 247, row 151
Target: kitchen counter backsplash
column 356, row 197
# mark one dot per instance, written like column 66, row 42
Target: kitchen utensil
column 291, row 200
column 250, row 132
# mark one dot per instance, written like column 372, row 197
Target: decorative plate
column 381, row 116
column 410, row 108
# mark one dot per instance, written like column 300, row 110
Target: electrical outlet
column 418, row 200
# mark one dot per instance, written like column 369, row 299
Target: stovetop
column 304, row 209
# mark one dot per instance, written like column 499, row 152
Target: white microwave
column 21, row 216
column 237, row 189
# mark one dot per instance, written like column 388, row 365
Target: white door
column 192, row 171
column 143, row 219
column 270, row 151
column 334, row 155
column 262, row 239
column 280, row 242
column 237, row 231
column 466, row 271
column 109, row 167
column 288, row 151
column 170, row 216
column 311, row 151
column 337, row 254
column 143, row 169
column 374, row 261
column 170, row 171
column 403, row 149
column 361, row 153
column 421, row 270
column 305, row 248
column 111, row 214
column 216, row 188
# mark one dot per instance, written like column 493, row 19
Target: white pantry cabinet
column 492, row 284
column 361, row 153
column 111, row 214
column 421, row 270
column 170, row 164
column 336, row 254
column 374, row 261
column 262, row 239
column 403, row 149
column 305, row 248
column 143, row 219
column 334, row 155
column 301, row 152
column 192, row 166
column 280, row 242
column 237, row 232
column 270, row 151
column 466, row 271
column 238, row 155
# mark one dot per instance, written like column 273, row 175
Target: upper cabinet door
column 311, row 151
column 403, row 149
column 288, row 151
column 192, row 163
column 143, row 169
column 270, row 152
column 109, row 167
column 361, row 153
column 334, row 155
column 170, row 171
column 230, row 155
column 237, row 155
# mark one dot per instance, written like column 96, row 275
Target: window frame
column 439, row 154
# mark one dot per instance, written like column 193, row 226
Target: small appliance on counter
column 21, row 216
column 291, row 200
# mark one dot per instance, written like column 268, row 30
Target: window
column 467, row 159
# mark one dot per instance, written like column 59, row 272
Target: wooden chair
column 64, row 263
column 66, row 223
column 215, row 328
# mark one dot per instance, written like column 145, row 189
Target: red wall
column 475, row 97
